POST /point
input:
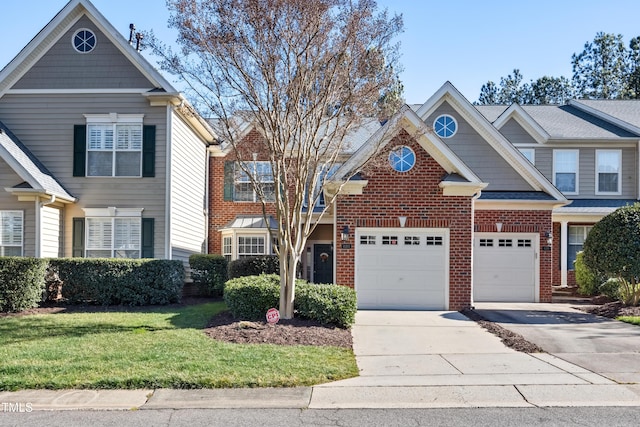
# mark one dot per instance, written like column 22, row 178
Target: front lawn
column 155, row 348
column 634, row 320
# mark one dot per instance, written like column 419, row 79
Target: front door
column 322, row 263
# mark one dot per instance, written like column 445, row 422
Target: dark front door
column 323, row 263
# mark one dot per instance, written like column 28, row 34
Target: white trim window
column 114, row 145
column 565, row 170
column 113, row 233
column 251, row 246
column 259, row 172
column 227, row 247
column 529, row 154
column 608, row 172
column 236, row 245
column 11, row 233
column 575, row 242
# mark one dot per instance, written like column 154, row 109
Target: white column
column 564, row 241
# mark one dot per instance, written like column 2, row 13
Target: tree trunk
column 288, row 264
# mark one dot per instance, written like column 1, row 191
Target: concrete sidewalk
column 406, row 360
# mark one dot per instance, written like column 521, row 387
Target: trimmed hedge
column 209, row 273
column 21, row 283
column 250, row 297
column 119, row 281
column 334, row 304
column 254, row 266
column 588, row 282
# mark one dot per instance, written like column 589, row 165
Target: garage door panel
column 407, row 275
column 504, row 267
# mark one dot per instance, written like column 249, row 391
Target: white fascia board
column 450, row 188
column 604, row 116
column 523, row 118
column 448, row 93
column 581, row 217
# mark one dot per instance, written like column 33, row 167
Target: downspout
column 207, row 165
column 473, row 239
column 167, row 202
column 39, row 206
column 335, row 245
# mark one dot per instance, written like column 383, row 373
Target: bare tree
column 305, row 74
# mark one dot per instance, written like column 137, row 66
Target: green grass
column 158, row 348
column 634, row 320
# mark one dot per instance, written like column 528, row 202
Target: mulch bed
column 294, row 331
column 611, row 310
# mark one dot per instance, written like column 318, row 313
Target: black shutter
column 79, row 150
column 147, row 237
column 149, row 151
column 228, row 180
column 77, row 248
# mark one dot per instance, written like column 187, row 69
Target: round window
column 445, row 126
column 84, row 40
column 402, row 159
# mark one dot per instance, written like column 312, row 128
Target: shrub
column 209, row 273
column 326, row 303
column 254, row 266
column 119, row 281
column 588, row 282
column 250, row 297
column 612, row 249
column 21, row 283
column 611, row 288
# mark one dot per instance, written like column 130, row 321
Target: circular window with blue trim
column 445, row 126
column 402, row 159
column 84, row 41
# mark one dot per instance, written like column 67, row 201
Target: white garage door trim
column 441, row 258
column 534, row 238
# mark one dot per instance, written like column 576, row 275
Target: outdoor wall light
column 549, row 236
column 345, row 233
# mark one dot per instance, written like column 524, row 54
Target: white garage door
column 404, row 269
column 504, row 267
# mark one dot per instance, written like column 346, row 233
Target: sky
column 466, row 42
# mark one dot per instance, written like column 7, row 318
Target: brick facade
column 416, row 195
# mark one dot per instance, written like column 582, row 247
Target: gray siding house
column 100, row 156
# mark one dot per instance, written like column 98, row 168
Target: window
column 565, row 170
column 486, row 243
column 83, row 40
column 114, row 145
column 577, row 236
column 412, row 240
column 505, row 243
column 243, row 186
column 367, row 240
column 445, row 126
column 608, row 171
column 434, row 241
column 11, row 233
column 529, row 154
column 524, row 243
column 402, row 159
column 250, row 246
column 227, row 247
column 389, row 240
column 112, row 237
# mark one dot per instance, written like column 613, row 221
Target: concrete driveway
column 604, row 346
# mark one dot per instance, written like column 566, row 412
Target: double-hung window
column 577, row 236
column 565, row 170
column 114, row 145
column 529, row 153
column 608, row 171
column 11, row 233
column 258, row 172
column 113, row 233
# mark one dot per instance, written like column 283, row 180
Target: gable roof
column 57, row 27
column 504, row 148
column 407, row 119
column 37, row 177
column 622, row 113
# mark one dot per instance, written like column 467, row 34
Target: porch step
column 568, row 295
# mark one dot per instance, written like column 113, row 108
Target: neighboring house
column 100, row 156
column 589, row 149
column 457, row 215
